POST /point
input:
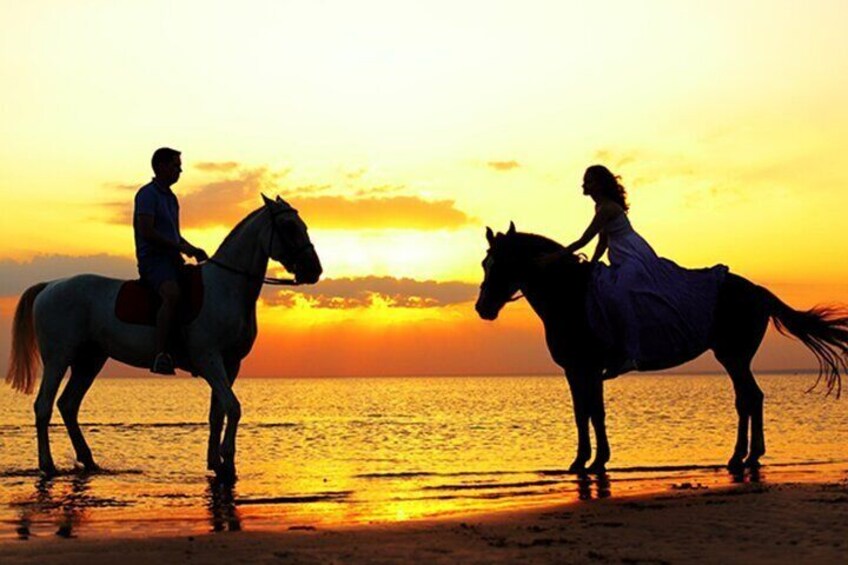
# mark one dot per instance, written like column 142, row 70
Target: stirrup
column 163, row 364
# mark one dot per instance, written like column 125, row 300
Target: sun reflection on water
column 355, row 451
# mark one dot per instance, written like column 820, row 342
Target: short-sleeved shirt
column 160, row 202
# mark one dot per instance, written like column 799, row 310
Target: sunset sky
column 401, row 129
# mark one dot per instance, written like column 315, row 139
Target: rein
column 252, row 276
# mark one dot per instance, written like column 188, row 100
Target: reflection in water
column 393, row 445
column 220, row 501
column 66, row 511
column 601, row 484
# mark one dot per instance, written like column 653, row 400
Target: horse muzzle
column 308, row 276
column 487, row 312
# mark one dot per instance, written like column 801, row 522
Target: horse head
column 289, row 242
column 512, row 261
column 501, row 275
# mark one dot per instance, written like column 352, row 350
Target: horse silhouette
column 557, row 293
column 72, row 323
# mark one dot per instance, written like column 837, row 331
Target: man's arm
column 144, row 223
column 148, row 232
column 196, row 252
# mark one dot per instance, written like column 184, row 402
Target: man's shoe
column 163, row 365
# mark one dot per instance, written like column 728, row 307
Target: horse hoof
column 213, row 462
column 735, row 465
column 91, row 467
column 597, row 468
column 752, row 463
column 577, row 468
column 48, row 471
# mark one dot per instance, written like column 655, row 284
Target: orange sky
column 400, row 131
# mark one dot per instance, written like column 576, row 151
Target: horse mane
column 535, row 243
column 566, row 272
column 240, row 225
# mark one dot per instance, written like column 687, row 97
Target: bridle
column 517, row 295
column 271, row 236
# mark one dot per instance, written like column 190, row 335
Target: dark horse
column 557, row 293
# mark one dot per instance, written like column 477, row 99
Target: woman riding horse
column 652, row 308
column 649, row 310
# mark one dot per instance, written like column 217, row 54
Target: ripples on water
column 356, row 450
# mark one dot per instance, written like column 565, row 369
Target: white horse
column 72, row 323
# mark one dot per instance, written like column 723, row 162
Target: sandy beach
column 749, row 522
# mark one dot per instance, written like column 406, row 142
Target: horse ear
column 267, row 201
column 511, row 230
column 279, row 200
column 490, row 236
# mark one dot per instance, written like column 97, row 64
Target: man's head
column 167, row 165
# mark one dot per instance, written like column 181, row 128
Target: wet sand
column 750, row 522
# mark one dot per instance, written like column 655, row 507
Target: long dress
column 648, row 308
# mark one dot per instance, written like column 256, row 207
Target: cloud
column 225, row 201
column 356, row 174
column 503, row 165
column 217, row 167
column 613, row 159
column 361, row 292
column 341, row 293
column 380, row 190
column 123, row 186
column 307, row 190
column 399, row 212
column 17, row 276
column 218, row 203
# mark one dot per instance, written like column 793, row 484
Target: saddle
column 138, row 303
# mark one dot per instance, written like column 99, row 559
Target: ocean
column 362, row 450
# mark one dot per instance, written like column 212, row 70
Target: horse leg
column 213, row 370
column 740, row 450
column 749, row 407
column 598, row 417
column 216, row 420
column 581, row 418
column 83, row 371
column 734, row 365
column 741, row 320
column 755, row 409
column 51, row 378
column 216, row 424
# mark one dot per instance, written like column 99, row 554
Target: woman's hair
column 609, row 185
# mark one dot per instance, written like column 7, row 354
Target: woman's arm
column 601, row 248
column 598, row 223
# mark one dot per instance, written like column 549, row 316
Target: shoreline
column 76, row 507
column 778, row 521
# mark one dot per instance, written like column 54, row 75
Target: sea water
column 357, row 450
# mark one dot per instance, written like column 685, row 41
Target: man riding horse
column 159, row 245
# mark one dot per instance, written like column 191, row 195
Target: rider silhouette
column 658, row 309
column 159, row 245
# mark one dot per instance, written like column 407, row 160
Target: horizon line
column 667, row 372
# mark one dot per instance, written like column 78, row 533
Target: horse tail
column 823, row 329
column 23, row 360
